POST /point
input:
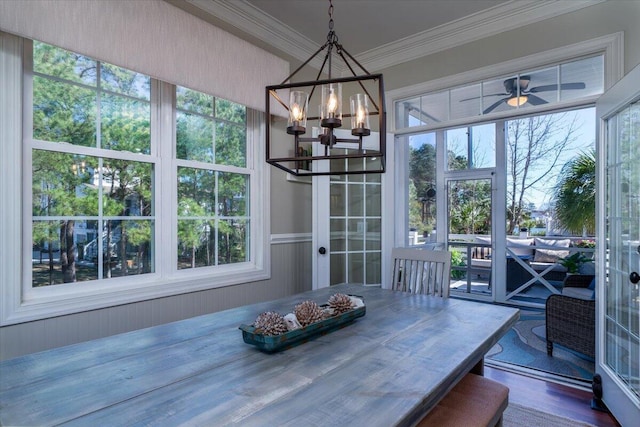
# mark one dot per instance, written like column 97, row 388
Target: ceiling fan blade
column 534, row 100
column 564, row 86
column 494, row 105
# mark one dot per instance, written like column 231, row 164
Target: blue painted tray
column 273, row 343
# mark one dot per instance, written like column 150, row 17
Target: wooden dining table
column 387, row 368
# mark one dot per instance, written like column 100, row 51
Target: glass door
column 469, row 221
column 348, row 225
column 618, row 303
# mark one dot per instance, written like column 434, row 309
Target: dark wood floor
column 550, row 397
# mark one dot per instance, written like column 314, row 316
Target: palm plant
column 575, row 198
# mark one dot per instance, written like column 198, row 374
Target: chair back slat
column 421, row 271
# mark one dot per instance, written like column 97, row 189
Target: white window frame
column 21, row 302
column 611, row 46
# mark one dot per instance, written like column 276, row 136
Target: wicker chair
column 571, row 322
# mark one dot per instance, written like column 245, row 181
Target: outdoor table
column 387, row 368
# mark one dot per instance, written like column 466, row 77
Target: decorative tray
column 274, row 343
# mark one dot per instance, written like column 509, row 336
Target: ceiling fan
column 515, row 98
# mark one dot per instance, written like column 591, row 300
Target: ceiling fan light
column 517, row 101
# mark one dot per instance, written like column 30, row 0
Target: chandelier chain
column 330, row 14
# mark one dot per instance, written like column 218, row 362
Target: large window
column 213, row 184
column 112, row 191
column 92, row 173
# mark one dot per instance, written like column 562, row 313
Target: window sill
column 44, row 303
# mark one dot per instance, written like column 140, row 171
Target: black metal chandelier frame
column 328, row 138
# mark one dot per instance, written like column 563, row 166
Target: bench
column 474, row 401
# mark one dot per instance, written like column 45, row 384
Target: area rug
column 521, row 416
column 525, row 345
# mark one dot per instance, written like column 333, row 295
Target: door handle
column 322, row 250
column 634, row 277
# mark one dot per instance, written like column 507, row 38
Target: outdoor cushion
column 520, row 247
column 550, row 255
column 582, row 293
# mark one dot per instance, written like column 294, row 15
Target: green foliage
column 456, row 260
column 422, row 178
column 573, row 262
column 470, row 207
column 575, row 194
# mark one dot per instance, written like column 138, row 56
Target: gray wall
column 589, row 23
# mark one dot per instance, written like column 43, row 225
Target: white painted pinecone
column 340, row 303
column 308, row 312
column 270, row 323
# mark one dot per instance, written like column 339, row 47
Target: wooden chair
column 421, row 271
column 475, row 400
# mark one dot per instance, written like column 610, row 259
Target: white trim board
column 504, row 17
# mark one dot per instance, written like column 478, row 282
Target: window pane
column 457, row 149
column 355, row 196
column 196, row 243
column 422, row 183
column 406, row 113
column 589, row 72
column 356, row 233
column 56, row 245
column 230, row 111
column 63, row 184
column 125, row 82
column 471, row 148
column 128, row 245
column 374, row 232
column 483, row 146
column 196, row 192
column 233, row 241
column 541, row 150
column 63, row 113
column 232, row 194
column 540, row 87
column 194, row 101
column 127, row 188
column 63, row 64
column 194, row 137
column 434, row 108
column 465, row 102
column 495, row 94
column 231, row 144
column 126, row 124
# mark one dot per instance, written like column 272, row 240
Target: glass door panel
column 469, row 234
column 355, row 222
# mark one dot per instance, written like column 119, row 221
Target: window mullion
column 166, row 194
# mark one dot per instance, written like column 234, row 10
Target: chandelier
column 322, row 144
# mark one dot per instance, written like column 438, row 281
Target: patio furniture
column 570, row 319
column 421, row 271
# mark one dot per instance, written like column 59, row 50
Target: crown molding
column 504, row 17
column 498, row 19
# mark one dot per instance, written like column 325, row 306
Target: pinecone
column 270, row 323
column 308, row 312
column 340, row 303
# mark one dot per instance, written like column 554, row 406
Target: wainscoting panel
column 290, row 274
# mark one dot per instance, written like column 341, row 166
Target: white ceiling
column 379, row 33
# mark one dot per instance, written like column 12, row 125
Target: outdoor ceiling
column 379, row 33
